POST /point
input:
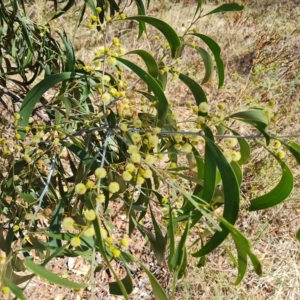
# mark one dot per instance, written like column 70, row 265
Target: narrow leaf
column 226, row 7
column 231, row 199
column 208, row 63
column 164, row 28
column 281, row 191
column 149, row 61
column 37, row 92
column 162, row 105
column 114, row 287
column 256, row 118
column 49, row 276
column 158, row 291
column 14, row 288
column 195, row 88
column 243, row 247
column 216, row 50
column 294, row 148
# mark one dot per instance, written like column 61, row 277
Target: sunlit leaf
column 164, row 28
column 149, row 61
column 256, row 118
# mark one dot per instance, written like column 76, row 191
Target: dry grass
column 261, row 53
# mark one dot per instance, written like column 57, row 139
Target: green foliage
column 109, row 139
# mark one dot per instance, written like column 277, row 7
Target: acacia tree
column 101, row 137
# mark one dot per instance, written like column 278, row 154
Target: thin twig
column 40, row 200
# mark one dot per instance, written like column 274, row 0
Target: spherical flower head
column 89, row 214
column 100, row 198
column 153, row 141
column 201, row 120
column 147, row 174
column 165, row 210
column 68, row 224
column 5, row 290
column 100, row 173
column 94, row 18
column 231, row 142
column 178, row 138
column 103, row 233
column 112, row 61
column 173, row 165
column 89, row 184
column 124, row 127
column 140, row 180
column 88, row 69
column 188, row 104
column 116, row 41
column 135, row 158
column 114, row 187
column 6, row 152
column 106, row 98
column 195, row 109
column 268, row 112
column 126, row 176
column 280, row 154
column 115, row 252
column 272, row 102
column 149, row 159
column 80, row 189
column 235, row 156
column 186, row 148
column 227, row 155
column 137, row 123
column 174, row 115
column 130, row 168
column 89, row 232
column 203, row 107
column 125, row 242
column 109, row 240
column 136, row 137
column 106, row 78
column 276, row 144
column 132, row 149
column 221, row 106
column 16, row 228
column 98, row 9
column 75, row 241
column 17, row 116
column 122, row 50
column 164, row 200
column 156, row 130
